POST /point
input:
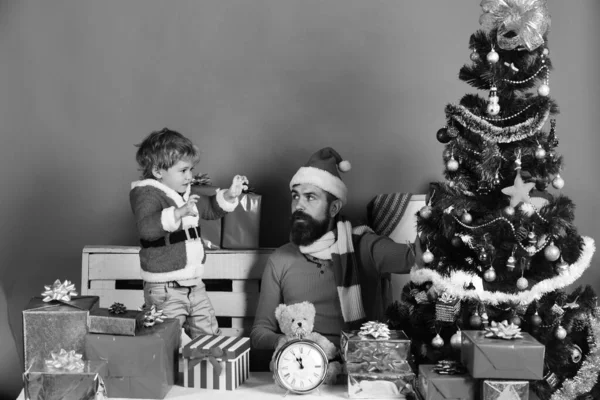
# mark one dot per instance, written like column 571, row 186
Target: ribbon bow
column 117, row 308
column 378, row 330
column 447, row 298
column 520, row 23
column 152, row 316
column 211, row 356
column 59, row 291
column 201, row 180
column 66, row 360
column 503, row 330
column 449, row 367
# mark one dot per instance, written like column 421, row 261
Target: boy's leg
column 172, row 300
column 202, row 319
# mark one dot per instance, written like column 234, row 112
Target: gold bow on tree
column 59, row 291
column 521, row 24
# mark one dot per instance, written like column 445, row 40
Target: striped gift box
column 199, row 372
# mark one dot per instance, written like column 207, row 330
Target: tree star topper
column 519, row 191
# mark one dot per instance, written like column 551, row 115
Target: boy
column 166, row 213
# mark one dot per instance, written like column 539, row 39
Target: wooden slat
column 219, row 265
column 84, row 273
column 248, row 286
column 103, row 284
column 239, row 322
column 226, row 304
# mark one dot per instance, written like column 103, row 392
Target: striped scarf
column 345, row 266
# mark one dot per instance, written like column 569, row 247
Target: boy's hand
column 188, row 208
column 238, row 185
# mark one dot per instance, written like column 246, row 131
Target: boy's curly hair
column 162, row 149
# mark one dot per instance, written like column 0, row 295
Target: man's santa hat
column 322, row 170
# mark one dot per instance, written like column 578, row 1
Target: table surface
column 259, row 386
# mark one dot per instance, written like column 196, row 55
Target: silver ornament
column 425, row 212
column 428, row 256
column 560, row 333
column 456, row 340
column 551, row 252
column 437, row 341
column 522, row 283
column 490, row 275
column 493, row 57
column 558, row 182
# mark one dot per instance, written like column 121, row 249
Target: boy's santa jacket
column 153, row 205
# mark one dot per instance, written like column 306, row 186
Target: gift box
column 53, row 325
column 435, row 386
column 127, row 323
column 494, row 358
column 381, row 385
column 241, row 227
column 505, row 390
column 386, row 353
column 141, row 366
column 447, row 308
column 45, row 382
column 216, row 362
column 210, row 229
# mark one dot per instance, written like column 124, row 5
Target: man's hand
column 238, row 185
column 188, row 208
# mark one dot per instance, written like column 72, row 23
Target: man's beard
column 305, row 229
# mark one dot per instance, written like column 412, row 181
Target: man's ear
column 334, row 207
column 156, row 173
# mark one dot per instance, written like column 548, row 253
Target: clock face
column 301, row 366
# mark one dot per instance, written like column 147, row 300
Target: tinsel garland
column 587, row 375
column 491, row 132
column 456, row 283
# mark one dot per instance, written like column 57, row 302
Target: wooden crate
column 232, row 278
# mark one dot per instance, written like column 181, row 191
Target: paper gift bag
column 241, row 228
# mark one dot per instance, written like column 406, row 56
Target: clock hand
column 299, row 359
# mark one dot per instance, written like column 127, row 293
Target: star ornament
column 519, row 191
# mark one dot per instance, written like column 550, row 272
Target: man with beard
column 343, row 270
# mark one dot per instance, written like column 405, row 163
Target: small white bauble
column 560, row 333
column 456, row 340
column 425, row 212
column 493, row 57
column 522, row 283
column 558, row 182
column 452, row 164
column 428, row 257
column 540, row 153
column 544, row 90
column 490, row 275
column 437, row 341
column 493, row 109
column 551, row 252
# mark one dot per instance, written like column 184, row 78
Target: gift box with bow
column 216, row 362
column 116, row 320
column 489, row 356
column 433, row 385
column 65, row 376
column 375, row 347
column 56, row 319
column 141, row 366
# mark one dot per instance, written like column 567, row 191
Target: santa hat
column 321, row 170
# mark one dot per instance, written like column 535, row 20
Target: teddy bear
column 297, row 321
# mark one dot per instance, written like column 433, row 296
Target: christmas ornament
column 503, row 330
column 558, row 182
column 560, row 333
column 520, row 24
column 466, row 218
column 540, row 153
column 490, row 275
column 551, row 252
column 492, row 56
column 519, row 192
column 493, row 108
column 576, row 354
column 544, row 90
column 552, row 138
column 512, row 67
column 425, row 212
column 474, row 56
column 483, row 256
column 483, row 188
column 475, row 320
column 485, row 319
column 442, row 135
column 515, row 320
column 511, row 263
column 496, row 180
column 561, row 266
column 509, row 211
column 456, row 340
column 452, row 131
column 456, row 241
column 427, row 256
column 535, row 320
column 437, row 341
column 452, row 164
column 522, row 283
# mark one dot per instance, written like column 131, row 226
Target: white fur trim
column 224, row 204
column 454, row 284
column 322, row 179
column 194, row 252
column 168, row 221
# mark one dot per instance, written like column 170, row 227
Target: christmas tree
column 498, row 236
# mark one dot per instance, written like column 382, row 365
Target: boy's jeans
column 190, row 305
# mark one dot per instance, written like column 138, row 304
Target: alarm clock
column 300, row 366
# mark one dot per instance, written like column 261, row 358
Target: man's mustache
column 300, row 215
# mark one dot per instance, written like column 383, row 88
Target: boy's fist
column 188, row 208
column 238, row 185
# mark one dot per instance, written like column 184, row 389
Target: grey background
column 258, row 85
